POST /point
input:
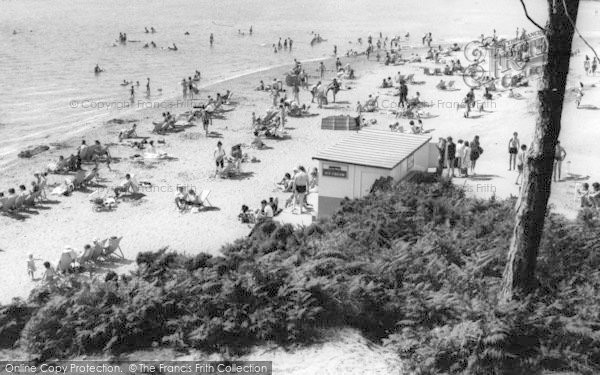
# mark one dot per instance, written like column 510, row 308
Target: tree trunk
column 519, row 274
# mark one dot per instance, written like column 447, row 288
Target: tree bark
column 519, row 274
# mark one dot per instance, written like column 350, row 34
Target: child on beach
column 31, row 266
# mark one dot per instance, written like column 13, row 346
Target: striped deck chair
column 112, row 247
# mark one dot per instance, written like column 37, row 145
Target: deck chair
column 8, row 203
column 158, row 126
column 86, row 256
column 31, row 198
column 450, row 85
column 90, row 176
column 437, row 71
column 42, row 188
column 410, row 78
column 77, row 181
column 112, row 246
column 204, row 198
column 98, row 249
column 19, row 202
column 427, row 72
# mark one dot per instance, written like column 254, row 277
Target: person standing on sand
column 275, row 95
column 586, row 65
column 476, row 152
column 148, row 86
column 184, row 86
column 450, row 157
column 465, row 161
column 403, row 95
column 211, row 39
column 513, row 149
column 132, row 92
column 250, row 29
column 335, row 50
column 359, row 110
column 521, row 163
column 31, row 266
column 459, row 149
column 300, row 188
column 579, row 95
column 322, row 70
column 291, row 41
column 219, row 156
column 296, row 92
column 441, row 146
column 594, row 66
column 559, row 155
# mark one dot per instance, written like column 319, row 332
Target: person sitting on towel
column 181, row 198
column 193, row 199
column 265, row 212
column 124, row 186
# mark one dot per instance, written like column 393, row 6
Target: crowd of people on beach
column 454, row 159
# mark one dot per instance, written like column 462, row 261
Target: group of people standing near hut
column 462, row 155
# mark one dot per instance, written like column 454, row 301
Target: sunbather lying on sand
column 130, row 133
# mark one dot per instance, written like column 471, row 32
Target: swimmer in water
column 152, row 30
column 212, row 39
column 148, row 86
column 146, row 30
column 153, row 44
column 146, row 45
column 132, row 92
column 250, row 30
column 187, row 33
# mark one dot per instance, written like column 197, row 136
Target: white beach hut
column 349, row 168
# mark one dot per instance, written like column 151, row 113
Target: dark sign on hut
column 335, row 171
column 340, row 123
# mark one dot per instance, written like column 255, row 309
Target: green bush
column 417, row 267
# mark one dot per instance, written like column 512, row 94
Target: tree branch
column 576, row 30
column 530, row 19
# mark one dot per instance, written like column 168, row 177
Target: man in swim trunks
column 219, row 155
column 559, row 155
column 513, row 148
column 300, row 188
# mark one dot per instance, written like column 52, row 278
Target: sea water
column 46, row 68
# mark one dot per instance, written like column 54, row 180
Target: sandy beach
column 154, row 222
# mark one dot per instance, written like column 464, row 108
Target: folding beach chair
column 112, row 246
column 427, row 72
column 438, row 71
column 450, row 85
column 204, row 198
column 86, row 256
column 8, row 203
column 98, row 250
column 18, row 202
